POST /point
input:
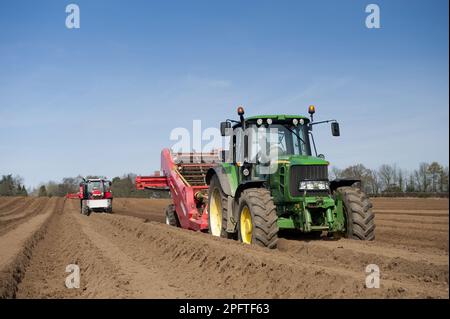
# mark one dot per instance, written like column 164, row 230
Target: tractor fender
column 340, row 182
column 247, row 184
column 223, row 179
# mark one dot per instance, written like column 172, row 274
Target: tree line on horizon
column 391, row 179
column 428, row 178
column 12, row 186
column 121, row 187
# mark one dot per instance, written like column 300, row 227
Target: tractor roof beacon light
column 311, row 111
column 241, row 113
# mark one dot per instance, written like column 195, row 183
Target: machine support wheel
column 358, row 213
column 171, row 216
column 217, row 209
column 257, row 223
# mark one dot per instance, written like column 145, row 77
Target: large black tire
column 263, row 217
column 215, row 193
column 109, row 210
column 171, row 216
column 360, row 219
column 84, row 208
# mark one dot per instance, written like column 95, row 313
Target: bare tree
column 435, row 171
column 410, row 184
column 360, row 172
column 387, row 174
column 335, row 172
column 401, row 174
column 443, row 180
column 374, row 181
column 422, row 178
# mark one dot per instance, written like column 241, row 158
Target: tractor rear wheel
column 217, row 209
column 358, row 213
column 171, row 216
column 257, row 222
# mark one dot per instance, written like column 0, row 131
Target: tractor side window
column 282, row 143
column 232, row 153
column 264, row 143
column 107, row 186
column 239, row 145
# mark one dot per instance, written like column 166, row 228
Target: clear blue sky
column 103, row 99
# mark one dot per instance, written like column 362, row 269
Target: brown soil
column 131, row 254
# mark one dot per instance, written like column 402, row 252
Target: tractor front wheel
column 84, row 208
column 257, row 222
column 358, row 213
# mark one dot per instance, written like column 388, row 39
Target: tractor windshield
column 262, row 144
column 95, row 185
column 286, row 140
column 279, row 139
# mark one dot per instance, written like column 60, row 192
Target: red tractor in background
column 95, row 195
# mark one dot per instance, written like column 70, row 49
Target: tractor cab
column 97, row 188
column 260, row 144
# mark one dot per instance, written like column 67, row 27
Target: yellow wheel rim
column 246, row 225
column 215, row 214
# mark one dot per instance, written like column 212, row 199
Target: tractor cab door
column 236, row 152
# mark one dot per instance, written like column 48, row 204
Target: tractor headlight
column 259, row 122
column 313, row 185
column 269, row 121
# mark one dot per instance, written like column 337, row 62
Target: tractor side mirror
column 335, row 129
column 223, row 127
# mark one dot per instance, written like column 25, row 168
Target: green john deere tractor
column 269, row 180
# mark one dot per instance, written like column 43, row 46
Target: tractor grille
column 300, row 173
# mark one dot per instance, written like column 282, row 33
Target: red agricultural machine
column 95, row 195
column 184, row 176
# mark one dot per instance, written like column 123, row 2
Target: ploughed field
column 132, row 254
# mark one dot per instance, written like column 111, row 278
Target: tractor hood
column 301, row 160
